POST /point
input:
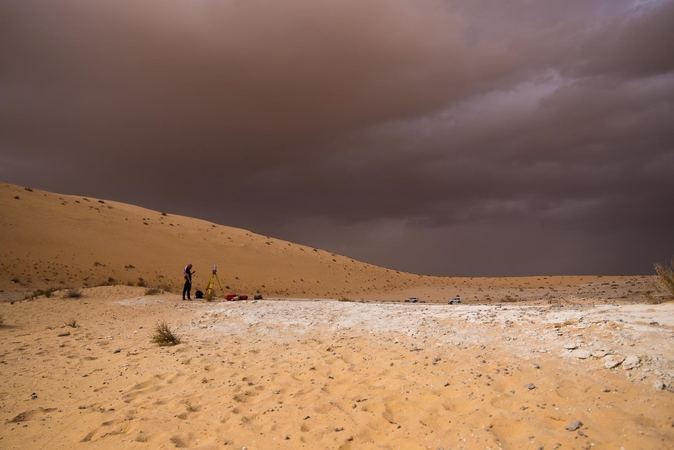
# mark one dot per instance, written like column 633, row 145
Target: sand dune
column 52, row 240
column 532, row 362
column 59, row 240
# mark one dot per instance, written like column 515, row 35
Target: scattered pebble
column 64, row 333
column 582, row 354
column 631, row 362
column 573, row 426
column 530, row 386
column 659, row 385
column 612, row 361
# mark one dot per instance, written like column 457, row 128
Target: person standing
column 187, row 272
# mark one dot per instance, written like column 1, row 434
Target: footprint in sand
column 30, row 415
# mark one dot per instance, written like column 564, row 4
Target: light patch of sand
column 332, row 374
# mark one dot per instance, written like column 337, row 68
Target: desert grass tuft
column 152, row 291
column 32, row 295
column 72, row 323
column 664, row 283
column 141, row 283
column 73, row 293
column 49, row 291
column 163, row 335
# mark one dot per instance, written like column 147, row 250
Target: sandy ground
column 289, row 374
column 332, row 358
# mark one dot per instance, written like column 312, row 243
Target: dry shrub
column 141, row 283
column 345, row 299
column 664, row 282
column 49, row 291
column 163, row 335
column 2, row 319
column 73, row 293
column 32, row 295
column 152, row 291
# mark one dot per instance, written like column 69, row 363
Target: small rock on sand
column 631, row 362
column 64, row 333
column 612, row 361
column 573, row 426
column 570, row 346
column 659, row 385
column 582, row 354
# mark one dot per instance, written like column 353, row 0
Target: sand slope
column 59, row 240
column 52, row 240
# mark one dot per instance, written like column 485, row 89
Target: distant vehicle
column 455, row 300
column 412, row 300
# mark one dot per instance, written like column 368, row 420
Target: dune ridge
column 59, row 241
column 63, row 240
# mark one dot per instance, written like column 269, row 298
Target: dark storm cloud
column 451, row 127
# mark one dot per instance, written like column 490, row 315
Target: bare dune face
column 58, row 241
column 333, row 374
column 531, row 362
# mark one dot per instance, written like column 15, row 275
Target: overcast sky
column 443, row 137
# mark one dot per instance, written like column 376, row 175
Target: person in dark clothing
column 187, row 272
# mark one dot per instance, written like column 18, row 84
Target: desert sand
column 330, row 358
